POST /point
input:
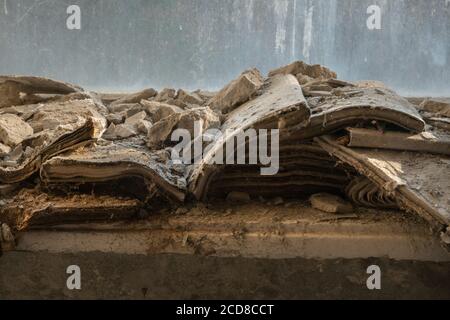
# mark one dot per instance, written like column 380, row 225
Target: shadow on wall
column 205, row 43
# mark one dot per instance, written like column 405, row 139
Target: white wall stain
column 249, row 13
column 281, row 11
column 294, row 30
column 5, row 7
column 31, row 8
column 308, row 31
column 328, row 42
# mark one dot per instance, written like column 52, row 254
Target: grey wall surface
column 129, row 44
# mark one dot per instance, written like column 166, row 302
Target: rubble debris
column 20, row 90
column 363, row 192
column 16, row 154
column 109, row 134
column 189, row 98
column 423, row 142
column 304, row 169
column 158, row 110
column 238, row 91
column 123, row 108
column 301, row 69
column 144, row 127
column 419, row 182
column 132, row 112
column 115, row 118
column 136, row 97
column 357, row 139
column 324, row 87
column 205, row 95
column 436, row 107
column 40, row 208
column 304, row 79
column 13, row 130
column 166, row 95
column 54, row 116
column 108, row 162
column 9, row 95
column 123, row 131
column 238, row 197
column 7, row 239
column 68, row 97
column 330, row 203
column 33, row 85
column 321, row 87
column 188, row 118
column 134, row 120
column 282, row 99
column 77, row 122
column 350, row 107
column 335, row 83
column 6, row 233
column 440, row 123
column 435, row 111
column 317, row 93
column 370, row 84
column 16, row 172
column 159, row 135
column 4, row 150
column 108, row 98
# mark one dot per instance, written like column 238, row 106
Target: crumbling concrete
column 424, row 142
column 166, row 95
column 364, row 193
column 13, row 130
column 134, row 120
column 4, row 150
column 159, row 135
column 123, row 108
column 123, row 131
column 330, row 203
column 9, row 95
column 419, row 182
column 437, row 107
column 189, row 98
column 115, row 118
column 304, row 71
column 136, row 97
column 238, row 91
column 158, row 110
column 68, row 139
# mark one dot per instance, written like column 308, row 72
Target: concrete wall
column 31, row 275
column 205, row 43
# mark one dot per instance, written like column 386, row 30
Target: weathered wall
column 205, row 43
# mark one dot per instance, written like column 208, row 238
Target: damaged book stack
column 69, row 155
